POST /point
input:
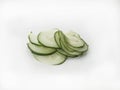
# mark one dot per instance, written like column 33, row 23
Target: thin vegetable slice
column 74, row 39
column 54, row 59
column 33, row 39
column 47, row 39
column 65, row 46
column 57, row 38
column 72, row 48
column 40, row 50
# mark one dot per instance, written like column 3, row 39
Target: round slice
column 54, row 59
column 74, row 39
column 33, row 39
column 72, row 48
column 66, row 54
column 84, row 48
column 47, row 39
column 66, row 47
column 63, row 52
column 40, row 50
column 57, row 38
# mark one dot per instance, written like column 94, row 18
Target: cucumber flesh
column 84, row 48
column 63, row 42
column 65, row 53
column 80, row 49
column 40, row 50
column 33, row 39
column 72, row 48
column 65, row 46
column 54, row 59
column 74, row 39
column 71, row 53
column 47, row 39
column 57, row 38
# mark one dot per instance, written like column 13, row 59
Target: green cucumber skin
column 68, row 49
column 66, row 45
column 68, row 52
column 61, row 62
column 72, row 48
column 87, row 48
column 58, row 63
column 43, row 44
column 57, row 39
column 63, row 52
column 39, row 40
column 63, row 41
column 71, row 56
column 78, row 49
column 39, row 53
column 33, row 42
column 68, row 55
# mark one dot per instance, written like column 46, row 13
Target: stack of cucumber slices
column 54, row 47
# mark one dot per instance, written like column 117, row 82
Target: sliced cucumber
column 74, row 39
column 40, row 50
column 72, row 48
column 53, row 47
column 73, row 34
column 66, row 54
column 84, row 48
column 57, row 38
column 63, row 52
column 70, row 53
column 54, row 59
column 47, row 39
column 63, row 41
column 80, row 49
column 33, row 39
column 65, row 46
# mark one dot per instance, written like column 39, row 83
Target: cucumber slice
column 63, row 41
column 54, row 59
column 40, row 50
column 47, row 39
column 65, row 46
column 74, row 39
column 57, row 38
column 70, row 53
column 84, row 48
column 65, row 53
column 33, row 39
column 72, row 48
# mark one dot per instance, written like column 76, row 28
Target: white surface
column 97, row 21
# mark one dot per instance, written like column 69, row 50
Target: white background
column 97, row 21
